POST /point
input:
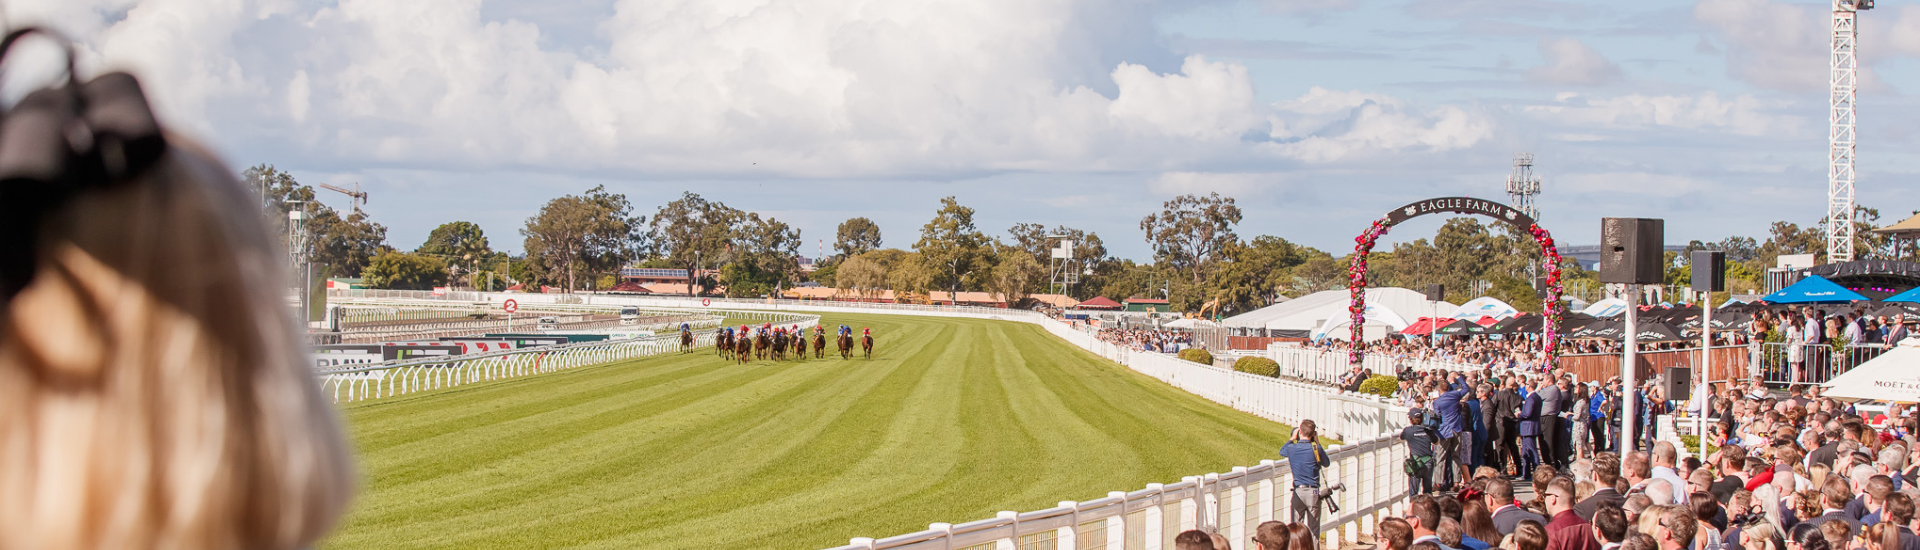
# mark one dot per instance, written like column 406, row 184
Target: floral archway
column 1357, row 268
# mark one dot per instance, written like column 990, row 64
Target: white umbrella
column 1893, row 376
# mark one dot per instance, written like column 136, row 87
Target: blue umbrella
column 1814, row 290
column 1911, row 295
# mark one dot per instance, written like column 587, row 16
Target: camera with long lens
column 1326, row 496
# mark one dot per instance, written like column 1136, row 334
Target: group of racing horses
column 768, row 342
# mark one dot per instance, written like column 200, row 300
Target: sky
column 1316, row 116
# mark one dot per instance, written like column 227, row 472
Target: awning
column 1425, row 326
column 1889, row 377
column 1911, row 295
column 1814, row 290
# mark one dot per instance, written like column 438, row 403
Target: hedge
column 1257, row 365
column 1197, row 355
column 1383, row 386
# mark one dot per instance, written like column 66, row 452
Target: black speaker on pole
column 1679, row 383
column 1709, row 271
column 1436, row 292
column 1631, row 250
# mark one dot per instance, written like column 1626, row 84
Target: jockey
column 866, row 332
column 685, row 328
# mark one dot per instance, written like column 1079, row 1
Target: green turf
column 952, row 420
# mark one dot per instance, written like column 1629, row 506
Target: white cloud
column 826, row 88
column 1743, row 115
column 1240, row 185
column 1631, row 184
column 1569, row 61
column 1326, row 126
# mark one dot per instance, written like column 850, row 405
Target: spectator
column 1193, row 540
column 1640, row 541
column 1477, row 521
column 1423, row 516
column 163, row 278
column 1664, row 460
column 1606, row 473
column 1676, row 529
column 1393, row 534
column 1220, row 542
column 1610, row 527
column 1453, row 535
column 1420, row 460
column 1270, row 535
column 1505, row 514
column 1299, row 538
column 1761, row 536
column 1305, row 457
column 1527, row 535
column 1566, row 531
column 1835, row 497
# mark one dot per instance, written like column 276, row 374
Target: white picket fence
column 1231, row 503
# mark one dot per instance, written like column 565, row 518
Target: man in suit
column 1567, row 531
column 1549, row 422
column 1900, row 512
column 1477, row 456
column 1606, row 472
column 1490, row 417
column 1506, row 407
column 1453, row 426
column 1530, row 432
column 1506, row 515
column 1835, row 495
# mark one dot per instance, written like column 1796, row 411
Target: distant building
column 1151, row 305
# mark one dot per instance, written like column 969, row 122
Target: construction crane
column 1843, row 84
column 359, row 197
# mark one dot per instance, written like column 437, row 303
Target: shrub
column 1197, row 355
column 1383, row 386
column 1257, row 365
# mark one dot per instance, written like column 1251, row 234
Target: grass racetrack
column 952, row 420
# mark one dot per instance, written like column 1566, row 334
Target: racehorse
column 779, row 347
column 866, row 345
column 846, row 346
column 819, row 344
column 762, row 344
column 723, row 343
column 686, row 340
column 742, row 348
column 800, row 346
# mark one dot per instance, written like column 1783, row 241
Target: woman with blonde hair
column 152, row 391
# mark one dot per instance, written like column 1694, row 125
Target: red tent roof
column 1426, row 325
column 1486, row 321
column 1099, row 302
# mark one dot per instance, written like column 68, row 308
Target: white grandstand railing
column 1327, row 366
column 1232, row 503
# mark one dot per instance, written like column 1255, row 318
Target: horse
column 743, row 349
column 779, row 347
column 866, row 345
column 846, row 346
column 686, row 341
column 761, row 345
column 722, row 344
column 819, row 345
column 800, row 347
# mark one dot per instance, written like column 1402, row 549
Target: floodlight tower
column 1523, row 186
column 1843, row 84
column 1061, row 268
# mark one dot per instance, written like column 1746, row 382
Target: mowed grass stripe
column 952, row 420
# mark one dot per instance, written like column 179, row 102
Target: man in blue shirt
column 1454, row 438
column 1305, row 458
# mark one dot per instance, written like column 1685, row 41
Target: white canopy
column 1893, row 376
column 1307, row 313
column 1484, row 306
column 1190, row 324
column 1337, row 326
column 1607, row 308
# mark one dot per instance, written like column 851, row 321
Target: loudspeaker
column 1709, row 271
column 1630, row 250
column 1679, row 383
column 1436, row 293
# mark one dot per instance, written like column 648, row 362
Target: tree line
column 1200, row 262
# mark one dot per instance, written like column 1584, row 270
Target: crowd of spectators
column 1144, row 339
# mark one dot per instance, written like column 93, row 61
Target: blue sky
column 1316, row 115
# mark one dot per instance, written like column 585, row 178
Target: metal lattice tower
column 1843, row 84
column 1523, row 186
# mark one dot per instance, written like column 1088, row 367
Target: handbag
column 1416, row 464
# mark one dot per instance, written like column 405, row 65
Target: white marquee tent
column 1300, row 316
column 1893, row 376
column 1380, row 320
column 1607, row 308
column 1484, row 306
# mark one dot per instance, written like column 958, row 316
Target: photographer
column 1306, row 457
column 1420, row 459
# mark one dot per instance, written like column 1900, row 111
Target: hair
column 1449, row 532
column 1836, row 493
column 170, row 280
column 1900, row 508
column 1220, row 542
column 1637, row 503
column 1664, row 453
column 1682, row 523
column 1449, row 507
column 1271, row 535
column 1640, row 541
column 1477, row 521
column 1763, row 531
column 1809, row 504
column 1485, row 472
column 1808, row 536
column 1660, row 491
column 1426, row 545
column 1529, row 535
column 1500, row 490
column 1703, row 504
column 1299, row 538
column 1637, row 465
column 1193, row 540
column 1884, row 535
column 1396, row 532
column 1606, row 469
column 1583, row 490
column 1611, row 521
column 1306, row 427
column 1423, row 508
column 1835, row 531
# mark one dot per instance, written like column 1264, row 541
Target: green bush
column 1197, row 355
column 1383, row 386
column 1257, row 365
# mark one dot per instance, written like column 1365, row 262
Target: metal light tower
column 299, row 255
column 1843, row 84
column 1522, row 185
column 1061, row 268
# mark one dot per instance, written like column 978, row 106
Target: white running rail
column 1327, row 366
